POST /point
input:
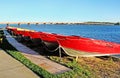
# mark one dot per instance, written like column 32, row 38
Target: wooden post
column 12, row 33
column 76, row 58
column 18, row 24
column 7, row 24
column 28, row 23
column 1, row 39
column 37, row 23
column 60, row 53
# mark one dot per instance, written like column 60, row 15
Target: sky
column 60, row 10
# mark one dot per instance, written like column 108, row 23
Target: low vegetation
column 96, row 67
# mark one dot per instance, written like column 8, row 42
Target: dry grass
column 101, row 67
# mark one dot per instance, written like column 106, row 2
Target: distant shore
column 63, row 23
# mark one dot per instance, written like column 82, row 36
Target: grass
column 78, row 70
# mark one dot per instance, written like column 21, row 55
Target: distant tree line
column 117, row 23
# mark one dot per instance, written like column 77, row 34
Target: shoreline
column 63, row 23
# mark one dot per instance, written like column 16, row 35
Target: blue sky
column 60, row 10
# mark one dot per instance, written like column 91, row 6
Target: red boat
column 71, row 45
column 88, row 47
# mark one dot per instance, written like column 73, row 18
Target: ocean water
column 101, row 32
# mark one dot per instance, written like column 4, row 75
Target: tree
column 117, row 23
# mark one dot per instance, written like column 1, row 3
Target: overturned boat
column 70, row 45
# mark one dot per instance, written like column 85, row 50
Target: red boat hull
column 72, row 45
column 90, row 45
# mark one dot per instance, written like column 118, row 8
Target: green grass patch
column 77, row 70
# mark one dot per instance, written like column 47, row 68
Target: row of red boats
column 71, row 45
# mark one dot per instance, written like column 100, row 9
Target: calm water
column 108, row 33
